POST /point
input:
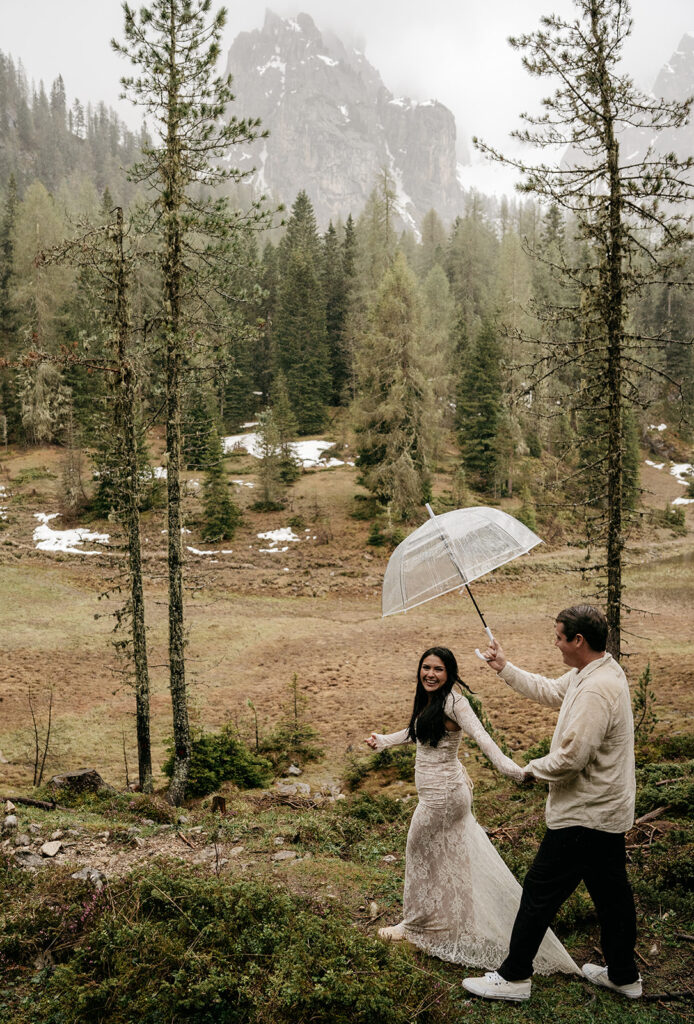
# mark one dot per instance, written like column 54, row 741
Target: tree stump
column 219, row 804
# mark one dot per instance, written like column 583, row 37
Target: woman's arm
column 378, row 742
column 458, row 709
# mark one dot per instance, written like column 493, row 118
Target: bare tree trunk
column 173, row 268
column 125, row 423
column 613, row 318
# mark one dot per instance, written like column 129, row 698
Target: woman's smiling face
column 433, row 673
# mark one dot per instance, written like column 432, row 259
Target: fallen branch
column 652, row 815
column 668, row 997
column 186, row 840
column 46, row 805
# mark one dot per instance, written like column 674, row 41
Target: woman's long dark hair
column 428, row 722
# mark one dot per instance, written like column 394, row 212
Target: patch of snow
column 183, row 530
column 344, row 111
column 283, row 533
column 400, row 101
column 251, row 423
column 683, row 501
column 3, row 511
column 274, row 64
column 3, row 490
column 243, row 483
column 195, row 551
column 327, row 60
column 160, row 473
column 308, row 453
column 660, row 427
column 655, row 465
column 682, row 472
column 48, row 539
column 404, row 203
column 261, row 181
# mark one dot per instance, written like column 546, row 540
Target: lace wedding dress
column 460, row 899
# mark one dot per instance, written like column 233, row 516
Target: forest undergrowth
column 248, row 938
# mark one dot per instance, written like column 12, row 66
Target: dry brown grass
column 252, row 624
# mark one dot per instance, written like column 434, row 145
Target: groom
column 590, row 771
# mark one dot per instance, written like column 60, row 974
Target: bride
column 460, row 899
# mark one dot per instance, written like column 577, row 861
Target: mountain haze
column 334, row 125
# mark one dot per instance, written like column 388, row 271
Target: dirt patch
column 256, row 617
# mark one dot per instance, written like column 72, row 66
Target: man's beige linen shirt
column 590, row 766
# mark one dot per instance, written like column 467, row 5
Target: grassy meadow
column 198, row 920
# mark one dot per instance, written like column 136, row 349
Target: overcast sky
column 451, row 50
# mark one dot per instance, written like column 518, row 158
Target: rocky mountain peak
column 334, row 125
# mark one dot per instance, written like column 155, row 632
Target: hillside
column 268, row 912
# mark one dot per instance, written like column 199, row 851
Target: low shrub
column 221, row 757
column 168, row 947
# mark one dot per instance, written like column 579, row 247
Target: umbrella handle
column 477, row 650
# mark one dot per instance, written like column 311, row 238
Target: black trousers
column 565, row 857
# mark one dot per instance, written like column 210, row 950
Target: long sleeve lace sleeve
column 458, row 709
column 391, row 739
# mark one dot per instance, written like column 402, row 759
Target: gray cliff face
column 675, row 82
column 334, row 126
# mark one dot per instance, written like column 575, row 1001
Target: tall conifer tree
column 174, row 46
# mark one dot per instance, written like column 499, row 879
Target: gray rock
column 10, row 823
column 34, row 828
column 50, row 849
column 58, row 834
column 28, row 859
column 21, row 839
column 93, row 875
column 285, row 855
column 294, row 769
column 9, row 807
column 286, row 789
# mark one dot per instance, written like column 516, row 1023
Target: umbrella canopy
column 450, row 551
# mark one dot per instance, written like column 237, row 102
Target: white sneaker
column 396, row 933
column 598, row 976
column 493, row 986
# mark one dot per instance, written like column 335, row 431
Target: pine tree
column 479, row 408
column 394, row 410
column 271, row 486
column 284, row 422
column 335, row 292
column 299, row 330
column 624, row 212
column 220, row 514
column 9, row 399
column 175, row 46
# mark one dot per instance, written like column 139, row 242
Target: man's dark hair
column 590, row 622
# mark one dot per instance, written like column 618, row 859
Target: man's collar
column 587, row 669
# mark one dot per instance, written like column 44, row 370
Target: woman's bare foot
column 394, row 934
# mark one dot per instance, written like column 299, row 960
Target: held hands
column 494, row 656
column 371, row 741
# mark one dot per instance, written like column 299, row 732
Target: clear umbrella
column 450, row 551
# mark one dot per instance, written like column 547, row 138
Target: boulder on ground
column 93, row 875
column 28, row 859
column 50, row 849
column 87, row 780
column 10, row 823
